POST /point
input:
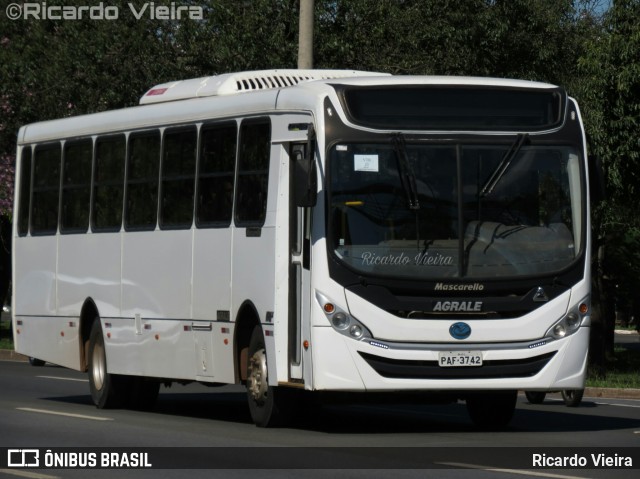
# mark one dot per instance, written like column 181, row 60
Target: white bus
column 313, row 230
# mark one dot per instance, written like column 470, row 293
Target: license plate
column 456, row 359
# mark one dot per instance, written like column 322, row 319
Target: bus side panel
column 211, row 273
column 253, row 280
column 35, row 276
column 39, row 332
column 156, row 274
column 165, row 349
column 89, row 267
column 156, row 297
column 160, row 348
column 49, row 338
column 212, row 302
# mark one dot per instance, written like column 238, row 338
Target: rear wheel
column 36, row 362
column 535, row 397
column 107, row 390
column 492, row 411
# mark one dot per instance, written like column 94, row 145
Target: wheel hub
column 98, row 369
column 257, row 378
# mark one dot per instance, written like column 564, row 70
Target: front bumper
column 341, row 363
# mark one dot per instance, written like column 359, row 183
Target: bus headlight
column 341, row 320
column 571, row 322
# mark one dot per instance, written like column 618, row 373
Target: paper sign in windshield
column 365, row 163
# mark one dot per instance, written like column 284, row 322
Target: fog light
column 340, row 321
column 559, row 330
column 356, row 331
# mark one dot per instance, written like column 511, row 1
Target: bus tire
column 572, row 397
column 535, row 397
column 492, row 411
column 36, row 362
column 267, row 404
column 107, row 390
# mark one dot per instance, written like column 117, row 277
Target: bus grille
column 408, row 369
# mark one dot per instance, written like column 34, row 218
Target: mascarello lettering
column 459, row 287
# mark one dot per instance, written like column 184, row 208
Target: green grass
column 622, row 371
column 6, row 341
column 629, row 327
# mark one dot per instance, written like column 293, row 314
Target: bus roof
column 243, row 93
column 251, row 81
column 242, row 82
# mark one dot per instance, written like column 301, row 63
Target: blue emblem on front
column 460, row 330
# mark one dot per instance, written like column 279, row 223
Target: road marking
column 67, row 414
column 509, row 471
column 63, row 379
column 31, row 475
column 614, row 404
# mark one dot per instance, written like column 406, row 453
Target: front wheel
column 572, row 397
column 269, row 406
column 492, row 411
column 107, row 390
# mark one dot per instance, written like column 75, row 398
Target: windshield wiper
column 407, row 177
column 502, row 168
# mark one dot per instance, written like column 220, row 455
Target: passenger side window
column 46, row 189
column 76, row 186
column 216, row 175
column 253, row 172
column 25, row 191
column 178, row 177
column 143, row 161
column 108, row 183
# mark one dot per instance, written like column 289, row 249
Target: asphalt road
column 50, row 407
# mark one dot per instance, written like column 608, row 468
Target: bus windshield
column 454, row 210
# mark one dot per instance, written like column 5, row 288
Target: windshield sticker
column 422, row 259
column 365, row 163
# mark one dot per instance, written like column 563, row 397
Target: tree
column 503, row 38
column 611, row 72
column 609, row 88
column 239, row 36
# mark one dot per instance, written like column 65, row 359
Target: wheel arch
column 246, row 320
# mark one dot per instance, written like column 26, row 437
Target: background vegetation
column 57, row 68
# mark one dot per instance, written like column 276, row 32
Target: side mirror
column 305, row 177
